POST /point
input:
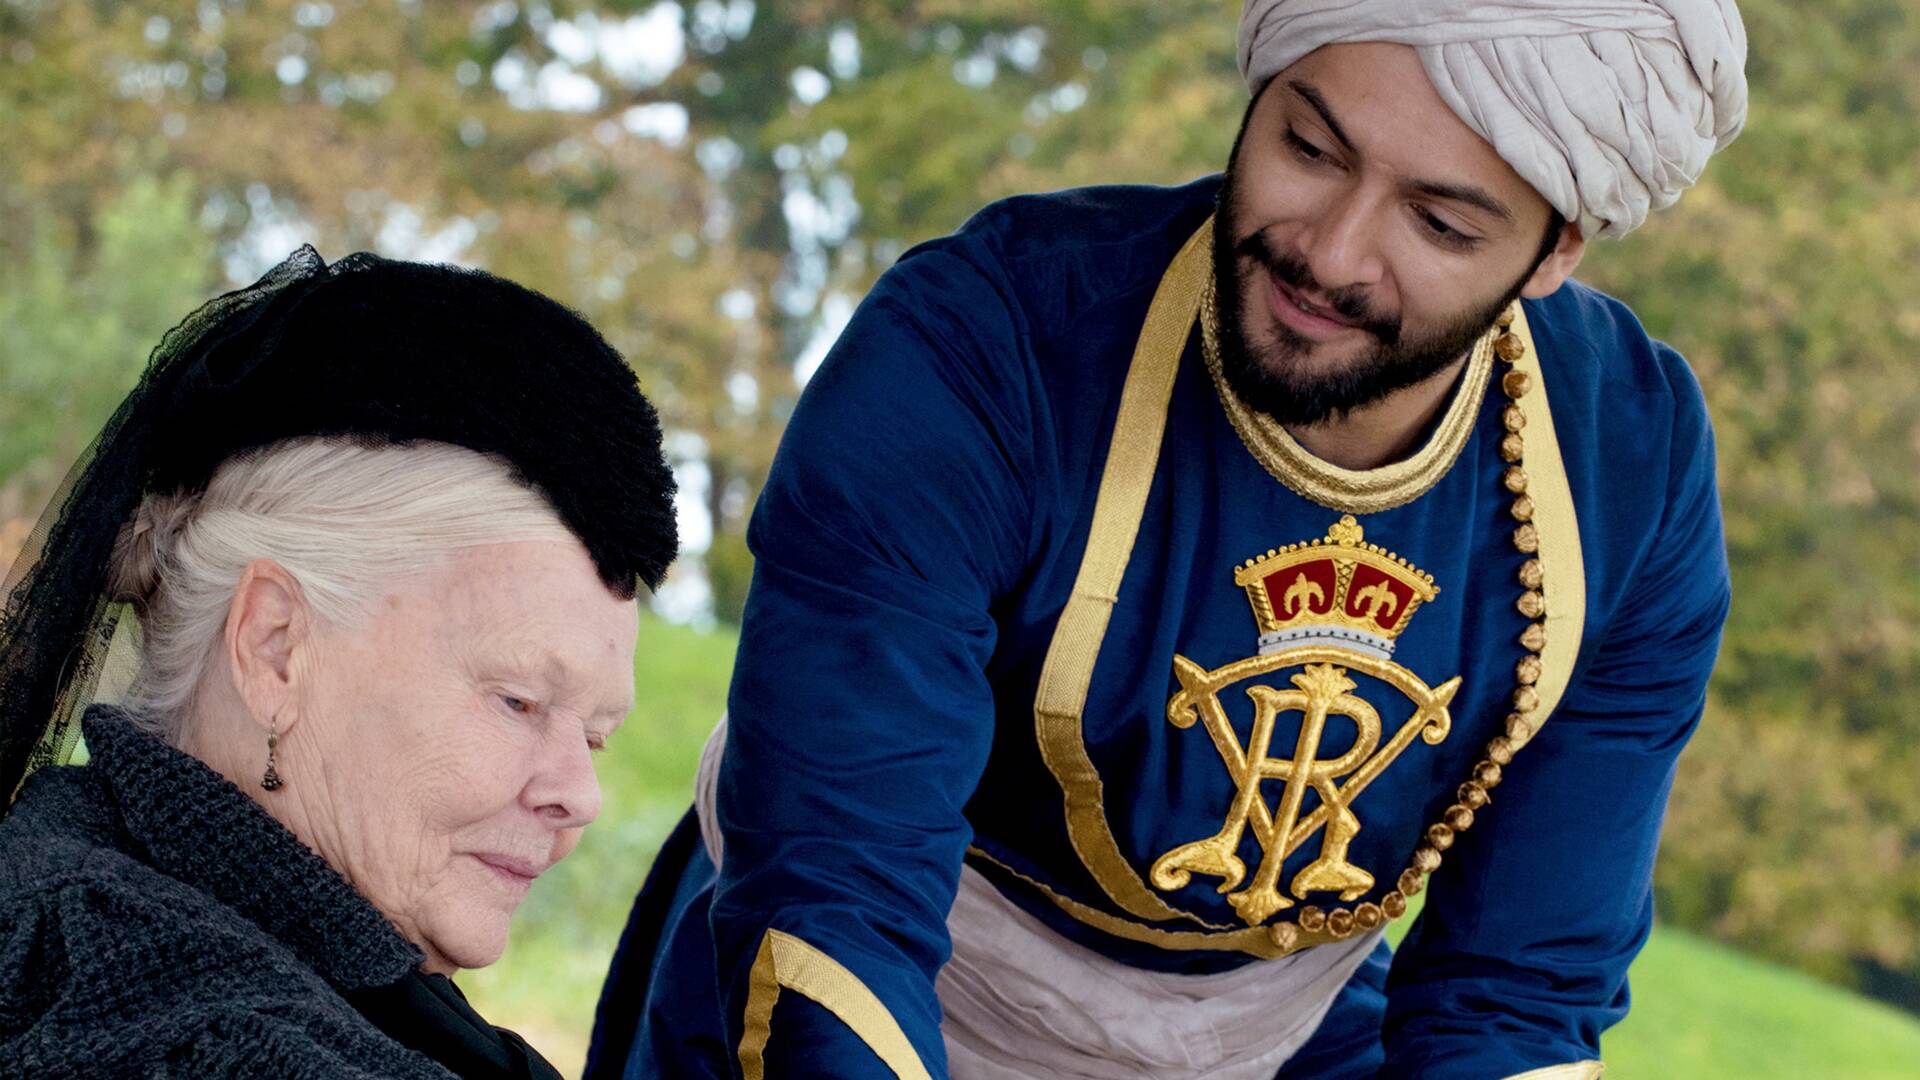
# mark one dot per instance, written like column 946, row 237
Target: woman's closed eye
column 519, row 706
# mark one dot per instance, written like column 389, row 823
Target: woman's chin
column 467, row 950
column 472, row 936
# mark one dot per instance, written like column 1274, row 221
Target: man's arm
column 1520, row 958
column 860, row 716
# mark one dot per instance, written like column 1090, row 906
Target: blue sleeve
column 1520, row 958
column 860, row 716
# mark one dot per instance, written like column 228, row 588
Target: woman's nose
column 563, row 787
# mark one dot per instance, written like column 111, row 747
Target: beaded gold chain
column 1342, row 921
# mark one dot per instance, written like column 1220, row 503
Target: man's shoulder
column 1050, row 257
column 1099, row 218
column 1594, row 340
column 1636, row 443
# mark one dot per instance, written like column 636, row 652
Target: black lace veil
column 367, row 348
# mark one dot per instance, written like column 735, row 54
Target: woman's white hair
column 345, row 519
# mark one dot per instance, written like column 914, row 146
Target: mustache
column 1349, row 303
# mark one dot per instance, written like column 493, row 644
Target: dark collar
column 191, row 824
column 429, row 1014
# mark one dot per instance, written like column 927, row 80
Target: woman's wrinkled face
column 442, row 751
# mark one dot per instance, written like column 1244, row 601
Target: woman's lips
column 513, row 870
column 1307, row 319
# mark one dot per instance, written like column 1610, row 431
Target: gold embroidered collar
column 1352, row 491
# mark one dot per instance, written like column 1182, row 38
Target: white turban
column 1609, row 108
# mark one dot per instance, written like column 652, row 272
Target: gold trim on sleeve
column 1352, row 491
column 785, row 961
column 1577, row 1070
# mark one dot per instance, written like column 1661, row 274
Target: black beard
column 1268, row 376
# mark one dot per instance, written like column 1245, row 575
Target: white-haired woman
column 382, row 527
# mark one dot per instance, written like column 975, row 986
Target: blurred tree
column 427, row 131
column 77, row 335
column 715, row 183
column 1788, row 281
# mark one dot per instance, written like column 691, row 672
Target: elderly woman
column 382, row 527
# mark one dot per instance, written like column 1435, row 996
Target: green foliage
column 729, row 572
column 79, row 324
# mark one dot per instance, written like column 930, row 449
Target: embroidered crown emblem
column 1332, row 608
column 1337, row 591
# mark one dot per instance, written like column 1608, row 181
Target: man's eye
column 517, row 705
column 1304, row 148
column 1444, row 233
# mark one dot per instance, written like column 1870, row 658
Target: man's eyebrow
column 1312, row 95
column 1472, row 196
column 1432, row 189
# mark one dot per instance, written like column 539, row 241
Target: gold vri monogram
column 1341, row 606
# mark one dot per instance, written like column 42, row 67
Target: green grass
column 1701, row 1011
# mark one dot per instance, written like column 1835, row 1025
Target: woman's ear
column 1559, row 264
column 267, row 630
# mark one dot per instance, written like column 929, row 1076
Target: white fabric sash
column 1020, row 1001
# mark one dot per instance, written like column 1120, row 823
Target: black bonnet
column 394, row 352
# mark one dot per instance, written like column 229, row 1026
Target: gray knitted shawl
column 156, row 922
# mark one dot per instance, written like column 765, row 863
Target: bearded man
column 1161, row 591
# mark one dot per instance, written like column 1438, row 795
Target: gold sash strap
column 1068, row 671
column 1577, row 1070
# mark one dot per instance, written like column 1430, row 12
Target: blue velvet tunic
column 917, row 540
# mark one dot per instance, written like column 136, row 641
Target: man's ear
column 267, row 629
column 1559, row 264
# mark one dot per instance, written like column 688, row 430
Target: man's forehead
column 1379, row 95
column 1383, row 82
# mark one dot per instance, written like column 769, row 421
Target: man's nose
column 1342, row 247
